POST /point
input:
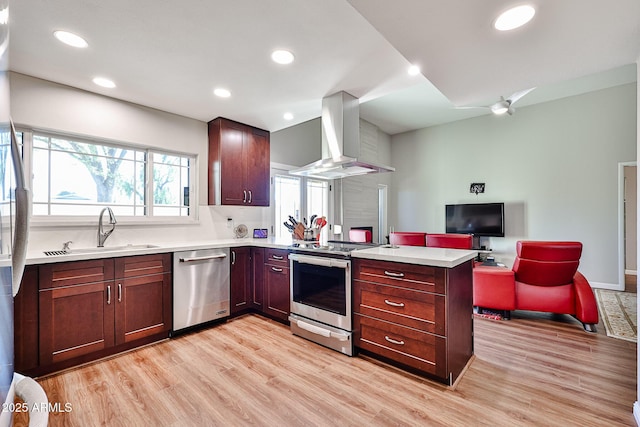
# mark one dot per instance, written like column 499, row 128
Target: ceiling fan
column 504, row 105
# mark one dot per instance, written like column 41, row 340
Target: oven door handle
column 324, row 262
column 319, row 331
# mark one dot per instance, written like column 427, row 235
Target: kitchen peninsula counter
column 412, row 307
column 419, row 255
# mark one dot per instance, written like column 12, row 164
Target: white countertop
column 38, row 257
column 437, row 257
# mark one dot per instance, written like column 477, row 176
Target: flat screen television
column 479, row 219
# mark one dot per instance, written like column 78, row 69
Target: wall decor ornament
column 476, row 187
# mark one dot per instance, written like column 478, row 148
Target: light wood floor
column 529, row 371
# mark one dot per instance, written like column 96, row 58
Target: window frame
column 279, row 169
column 82, row 220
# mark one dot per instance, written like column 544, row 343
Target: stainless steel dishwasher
column 201, row 289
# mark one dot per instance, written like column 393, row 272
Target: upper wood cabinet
column 238, row 164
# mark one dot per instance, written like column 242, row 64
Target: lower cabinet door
column 276, row 289
column 75, row 321
column 240, row 279
column 143, row 307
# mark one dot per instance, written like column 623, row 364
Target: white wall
column 53, row 107
column 297, row 145
column 553, row 164
column 360, row 193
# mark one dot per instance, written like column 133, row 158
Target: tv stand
column 481, row 243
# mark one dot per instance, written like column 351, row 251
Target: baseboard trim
column 610, row 286
column 636, row 412
column 631, row 272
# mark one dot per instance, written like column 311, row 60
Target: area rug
column 486, row 314
column 618, row 311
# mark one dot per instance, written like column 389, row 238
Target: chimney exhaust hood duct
column 340, row 142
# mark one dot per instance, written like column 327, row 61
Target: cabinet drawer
column 420, row 277
column 419, row 350
column 143, row 265
column 75, row 273
column 415, row 309
column 277, row 257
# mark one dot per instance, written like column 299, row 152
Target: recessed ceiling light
column 288, row 116
column 101, row 81
column 70, row 39
column 514, row 18
column 282, row 57
column 414, row 70
column 222, row 92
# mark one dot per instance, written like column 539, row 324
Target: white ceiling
column 171, row 55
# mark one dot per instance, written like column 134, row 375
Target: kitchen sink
column 100, row 250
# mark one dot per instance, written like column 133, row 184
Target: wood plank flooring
column 529, row 371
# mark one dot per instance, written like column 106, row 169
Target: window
column 300, row 198
column 74, row 177
column 287, row 197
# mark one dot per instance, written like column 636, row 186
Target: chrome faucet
column 102, row 236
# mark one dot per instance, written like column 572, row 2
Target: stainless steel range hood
column 341, row 154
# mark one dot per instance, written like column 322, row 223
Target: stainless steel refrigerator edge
column 201, row 287
column 15, row 208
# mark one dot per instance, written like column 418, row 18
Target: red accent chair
column 544, row 277
column 360, row 236
column 450, row 240
column 408, row 238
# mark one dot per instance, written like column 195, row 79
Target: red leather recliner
column 450, row 240
column 408, row 238
column 544, row 277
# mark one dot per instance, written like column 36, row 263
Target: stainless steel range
column 321, row 293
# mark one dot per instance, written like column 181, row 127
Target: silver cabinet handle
column 392, row 341
column 394, row 304
column 392, row 274
column 250, row 196
column 277, row 270
column 119, row 292
column 108, row 294
column 278, row 257
column 244, row 199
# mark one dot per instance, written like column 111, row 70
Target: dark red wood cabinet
column 260, row 282
column 25, row 314
column 239, row 162
column 74, row 312
column 143, row 294
column 277, row 294
column 77, row 308
column 416, row 316
column 257, row 269
column 241, row 284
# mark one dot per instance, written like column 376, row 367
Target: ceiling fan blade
column 516, row 96
column 472, row 107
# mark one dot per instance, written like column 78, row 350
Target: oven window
column 320, row 287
